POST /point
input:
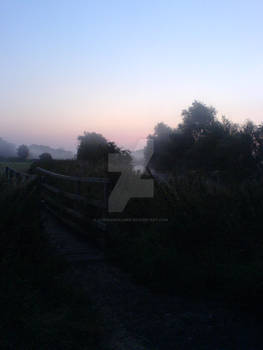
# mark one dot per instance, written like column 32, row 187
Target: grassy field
column 19, row 166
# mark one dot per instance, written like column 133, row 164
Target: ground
column 137, row 318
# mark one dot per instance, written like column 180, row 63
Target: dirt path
column 137, row 319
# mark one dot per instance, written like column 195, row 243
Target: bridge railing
column 74, row 208
column 17, row 177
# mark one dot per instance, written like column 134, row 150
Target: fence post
column 7, row 174
column 106, row 195
column 79, row 187
column 18, row 179
column 11, row 174
column 40, row 183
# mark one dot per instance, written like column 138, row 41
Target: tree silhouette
column 45, row 156
column 95, row 147
column 23, row 152
column 203, row 142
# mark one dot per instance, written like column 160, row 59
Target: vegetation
column 56, row 153
column 204, row 143
column 23, row 152
column 196, row 239
column 40, row 309
column 8, row 151
column 15, row 164
column 201, row 233
column 45, row 156
column 95, row 148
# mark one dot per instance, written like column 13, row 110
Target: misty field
column 18, row 166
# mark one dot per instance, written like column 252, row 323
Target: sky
column 120, row 67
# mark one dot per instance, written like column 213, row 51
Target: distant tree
column 56, row 153
column 92, row 146
column 23, row 152
column 95, row 147
column 45, row 156
column 197, row 119
column 162, row 130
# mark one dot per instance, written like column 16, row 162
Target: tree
column 162, row 130
column 45, row 156
column 92, row 146
column 95, row 147
column 202, row 142
column 23, row 152
column 198, row 119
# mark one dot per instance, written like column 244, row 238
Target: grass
column 40, row 308
column 18, row 166
column 210, row 246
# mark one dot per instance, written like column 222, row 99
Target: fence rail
column 71, row 208
column 72, row 178
column 75, row 197
column 17, row 177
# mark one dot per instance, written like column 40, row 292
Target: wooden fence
column 71, row 207
column 17, row 177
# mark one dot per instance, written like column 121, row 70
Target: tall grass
column 211, row 243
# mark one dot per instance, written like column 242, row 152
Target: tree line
column 23, row 152
column 9, row 150
column 203, row 142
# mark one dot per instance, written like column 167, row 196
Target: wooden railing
column 17, row 177
column 71, row 207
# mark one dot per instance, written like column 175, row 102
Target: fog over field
column 9, row 150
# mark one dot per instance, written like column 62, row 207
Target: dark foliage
column 205, row 143
column 45, row 156
column 95, row 148
column 23, row 152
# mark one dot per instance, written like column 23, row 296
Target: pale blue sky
column 119, row 67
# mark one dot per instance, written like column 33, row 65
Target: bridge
column 135, row 317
